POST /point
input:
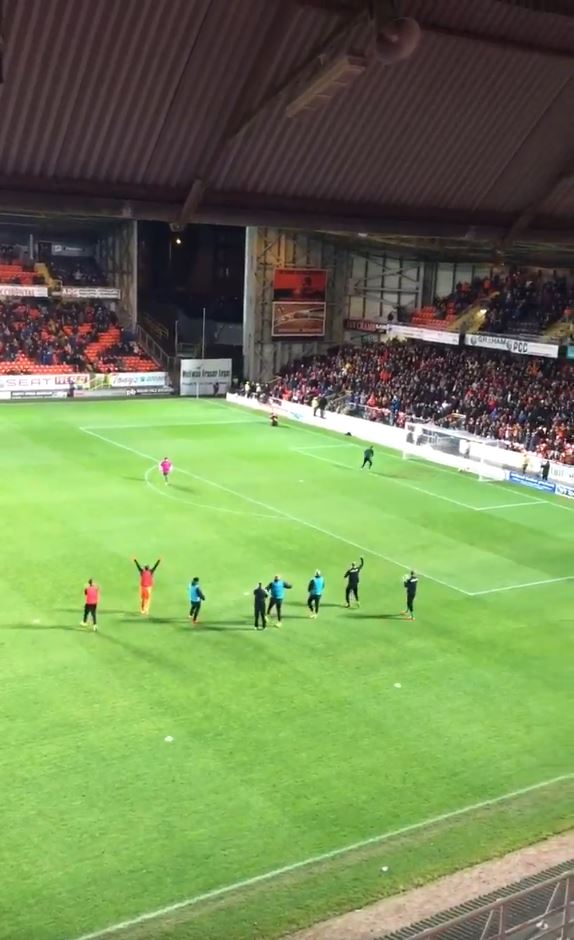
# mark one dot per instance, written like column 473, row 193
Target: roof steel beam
column 525, row 217
column 192, row 201
column 556, row 7
column 500, row 42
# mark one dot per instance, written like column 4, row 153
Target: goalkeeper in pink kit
column 166, row 467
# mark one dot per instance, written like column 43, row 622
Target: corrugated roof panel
column 142, row 91
column 428, row 132
column 194, row 137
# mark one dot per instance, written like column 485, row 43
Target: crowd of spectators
column 515, row 300
column 525, row 402
column 52, row 334
column 114, row 357
column 528, row 302
column 77, row 272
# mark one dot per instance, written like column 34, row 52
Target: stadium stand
column 528, row 303
column 46, row 337
column 15, row 272
column 78, row 272
column 520, row 302
column 524, row 401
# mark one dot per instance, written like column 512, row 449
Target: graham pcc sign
column 522, row 347
column 200, row 376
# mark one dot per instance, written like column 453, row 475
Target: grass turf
column 287, row 744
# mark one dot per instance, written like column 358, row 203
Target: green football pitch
column 312, row 768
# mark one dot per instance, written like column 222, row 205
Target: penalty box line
column 317, row 859
column 307, row 452
column 280, row 512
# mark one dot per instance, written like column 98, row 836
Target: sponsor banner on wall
column 198, row 376
column 135, row 379
column 299, row 302
column 91, row 293
column 23, row 290
column 27, row 383
column 403, row 331
column 365, row 326
column 82, row 380
column 562, row 490
column 36, row 393
column 562, row 472
column 522, row 347
column 531, row 482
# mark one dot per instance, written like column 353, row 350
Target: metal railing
column 169, row 363
column 541, row 912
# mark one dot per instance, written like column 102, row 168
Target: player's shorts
column 145, row 593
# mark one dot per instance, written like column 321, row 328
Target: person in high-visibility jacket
column 146, row 584
column 91, row 601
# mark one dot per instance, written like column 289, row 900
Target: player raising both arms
column 146, row 584
column 352, row 575
column 166, row 467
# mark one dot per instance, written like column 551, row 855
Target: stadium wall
column 366, row 285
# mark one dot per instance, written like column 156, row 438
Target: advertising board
column 199, row 376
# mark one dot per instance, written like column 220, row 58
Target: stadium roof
column 178, row 110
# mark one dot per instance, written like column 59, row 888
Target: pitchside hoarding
column 57, row 385
column 199, row 376
column 521, row 347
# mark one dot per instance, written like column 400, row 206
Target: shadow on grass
column 141, row 618
column 219, row 627
column 46, row 627
column 144, row 655
column 358, row 615
column 78, row 611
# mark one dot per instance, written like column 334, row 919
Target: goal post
column 487, row 459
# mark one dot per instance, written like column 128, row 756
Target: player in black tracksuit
column 368, row 458
column 259, row 598
column 410, row 583
column 352, row 576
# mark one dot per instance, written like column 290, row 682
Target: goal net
column 486, row 459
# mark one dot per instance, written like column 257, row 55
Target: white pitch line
column 279, row 512
column 530, row 502
column 515, row 587
column 316, row 859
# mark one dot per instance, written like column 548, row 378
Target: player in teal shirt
column 316, row 587
column 276, row 589
column 196, row 596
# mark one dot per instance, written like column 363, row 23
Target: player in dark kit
column 259, row 598
column 411, row 582
column 274, row 420
column 352, row 575
column 368, row 458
